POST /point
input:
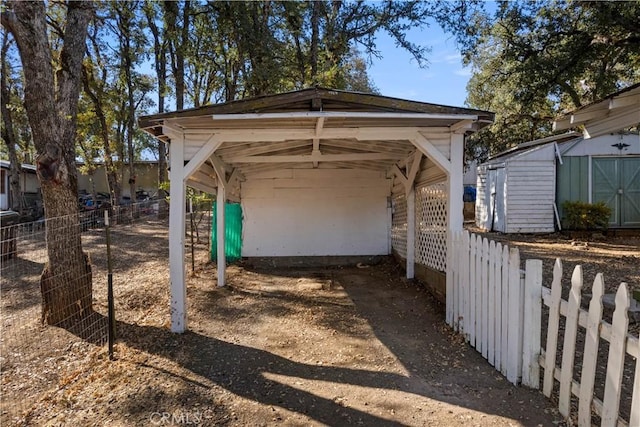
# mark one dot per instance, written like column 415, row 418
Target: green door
column 630, row 197
column 232, row 235
column 616, row 182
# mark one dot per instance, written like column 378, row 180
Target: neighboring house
column 146, row 172
column 522, row 190
column 29, row 185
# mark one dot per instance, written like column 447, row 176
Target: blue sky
column 444, row 81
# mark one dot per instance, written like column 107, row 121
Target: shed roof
column 529, row 145
column 618, row 111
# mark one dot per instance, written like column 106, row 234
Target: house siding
column 530, row 196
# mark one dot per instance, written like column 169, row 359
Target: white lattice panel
column 431, row 226
column 399, row 225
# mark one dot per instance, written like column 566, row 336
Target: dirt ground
column 617, row 258
column 323, row 346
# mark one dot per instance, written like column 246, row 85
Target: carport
column 319, row 172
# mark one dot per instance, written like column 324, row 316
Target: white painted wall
column 315, row 212
column 603, row 146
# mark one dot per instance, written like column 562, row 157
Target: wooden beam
column 256, row 148
column 220, row 236
column 624, row 101
column 621, row 119
column 316, row 140
column 209, row 147
column 201, row 186
column 413, row 172
column 462, row 126
column 582, row 116
column 429, row 150
column 350, row 157
column 177, row 219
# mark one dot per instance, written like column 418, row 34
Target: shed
column 516, row 188
column 318, row 172
column 522, row 190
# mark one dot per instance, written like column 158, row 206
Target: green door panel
column 630, row 197
column 605, row 186
column 232, row 235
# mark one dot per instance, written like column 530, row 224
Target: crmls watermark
column 176, row 418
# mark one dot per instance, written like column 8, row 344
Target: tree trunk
column 51, row 106
column 160, row 54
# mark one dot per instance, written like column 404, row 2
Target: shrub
column 586, row 216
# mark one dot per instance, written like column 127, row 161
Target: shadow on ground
column 403, row 317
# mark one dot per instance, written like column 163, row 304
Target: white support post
column 411, row 232
column 220, row 232
column 177, row 219
column 456, row 188
column 454, row 214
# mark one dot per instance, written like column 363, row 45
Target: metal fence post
column 111, row 310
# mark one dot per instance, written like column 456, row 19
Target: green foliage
column 586, row 216
column 535, row 60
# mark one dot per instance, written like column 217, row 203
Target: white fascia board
column 335, row 114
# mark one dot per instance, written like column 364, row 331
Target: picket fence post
column 552, row 329
column 615, row 364
column 591, row 345
column 532, row 327
column 471, row 323
column 504, row 338
column 514, row 355
column 569, row 344
column 464, row 282
column 498, row 307
column 491, row 303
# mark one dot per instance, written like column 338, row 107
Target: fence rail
column 498, row 309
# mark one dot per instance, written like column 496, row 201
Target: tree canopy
column 533, row 60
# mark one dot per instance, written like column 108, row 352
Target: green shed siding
column 572, row 181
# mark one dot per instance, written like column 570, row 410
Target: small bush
column 586, row 216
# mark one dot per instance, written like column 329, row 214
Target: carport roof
column 322, row 102
column 310, row 128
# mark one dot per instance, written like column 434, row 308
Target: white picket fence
column 497, row 307
column 620, row 342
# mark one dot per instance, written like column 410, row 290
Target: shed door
column 616, row 182
column 496, row 208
